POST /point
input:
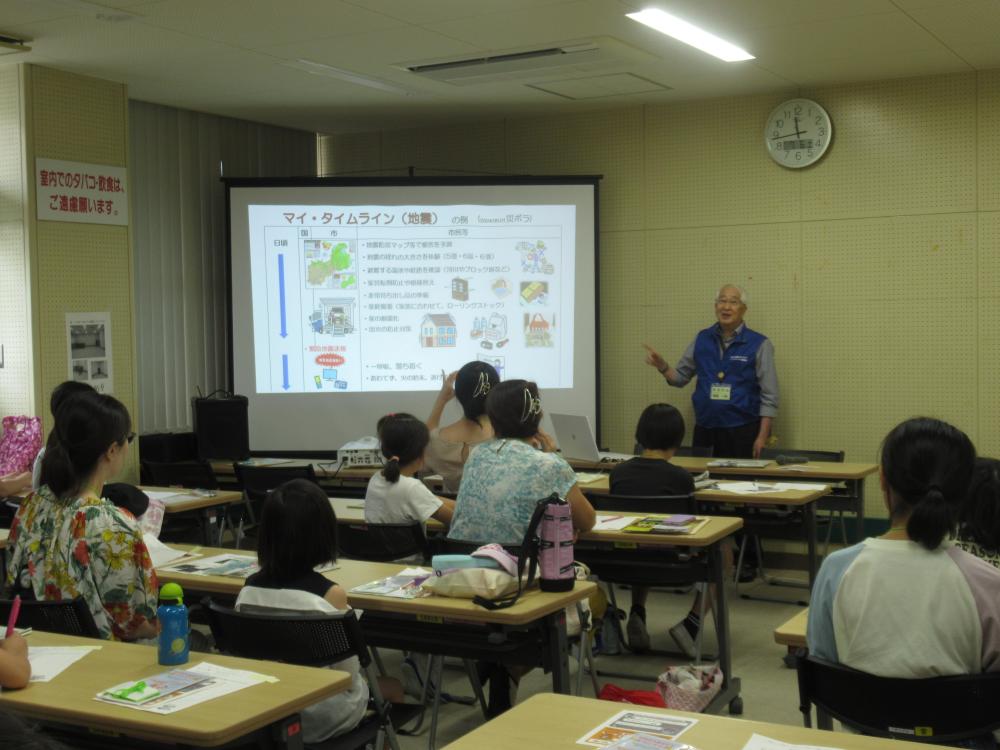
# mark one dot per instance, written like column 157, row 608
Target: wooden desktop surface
column 793, row 632
column 69, row 697
column 554, row 722
column 825, row 470
column 532, row 606
column 601, row 486
column 351, row 510
column 192, row 501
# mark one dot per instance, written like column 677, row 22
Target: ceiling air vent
column 592, row 56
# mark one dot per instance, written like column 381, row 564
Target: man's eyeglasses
column 726, row 301
column 130, row 437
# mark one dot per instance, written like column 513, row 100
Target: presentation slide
column 350, row 298
column 383, row 298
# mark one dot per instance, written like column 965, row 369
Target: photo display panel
column 350, row 300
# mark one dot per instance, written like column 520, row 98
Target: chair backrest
column 69, row 617
column 313, row 639
column 698, row 451
column 196, row 475
column 381, row 542
column 257, row 481
column 836, row 457
column 935, row 709
column 645, row 503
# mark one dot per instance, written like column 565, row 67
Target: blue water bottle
column 173, row 618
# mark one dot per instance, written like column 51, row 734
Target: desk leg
column 206, row 526
column 555, row 625
column 730, row 693
column 858, row 486
column 809, row 513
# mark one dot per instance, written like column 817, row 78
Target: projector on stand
column 364, row 452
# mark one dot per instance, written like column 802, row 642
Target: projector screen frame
column 404, row 181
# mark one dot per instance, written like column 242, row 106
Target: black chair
column 942, row 710
column 312, row 640
column 651, row 567
column 69, row 617
column 195, row 475
column 382, row 542
column 256, row 482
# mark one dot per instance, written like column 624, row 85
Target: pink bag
column 690, row 687
column 19, row 444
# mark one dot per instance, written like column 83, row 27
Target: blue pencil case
column 459, row 562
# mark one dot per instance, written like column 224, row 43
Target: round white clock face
column 797, row 133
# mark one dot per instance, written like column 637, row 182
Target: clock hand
column 797, row 131
column 786, row 135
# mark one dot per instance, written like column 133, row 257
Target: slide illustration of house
column 438, row 330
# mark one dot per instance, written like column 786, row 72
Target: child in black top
column 298, row 532
column 659, row 432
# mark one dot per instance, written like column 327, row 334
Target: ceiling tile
column 964, row 26
column 259, row 24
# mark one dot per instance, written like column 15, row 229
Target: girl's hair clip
column 532, row 406
column 482, row 387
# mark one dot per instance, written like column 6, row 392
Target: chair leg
column 378, row 661
column 829, row 533
column 760, row 556
column 589, row 655
column 386, row 733
column 613, row 600
column 477, row 687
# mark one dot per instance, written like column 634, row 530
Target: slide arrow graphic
column 284, row 371
column 281, row 301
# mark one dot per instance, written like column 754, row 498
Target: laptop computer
column 576, row 440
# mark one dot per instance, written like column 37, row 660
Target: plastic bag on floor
column 690, row 687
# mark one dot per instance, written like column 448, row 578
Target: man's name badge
column 720, row 392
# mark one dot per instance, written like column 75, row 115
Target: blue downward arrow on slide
column 281, row 300
column 284, row 371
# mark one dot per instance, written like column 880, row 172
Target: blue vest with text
column 739, row 367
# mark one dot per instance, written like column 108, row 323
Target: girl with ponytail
column 395, row 495
column 873, row 602
column 68, row 541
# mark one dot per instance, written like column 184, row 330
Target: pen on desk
column 15, row 610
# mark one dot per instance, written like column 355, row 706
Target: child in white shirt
column 394, row 494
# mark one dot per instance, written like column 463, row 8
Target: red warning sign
column 330, row 360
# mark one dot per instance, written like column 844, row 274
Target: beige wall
column 78, row 267
column 874, row 272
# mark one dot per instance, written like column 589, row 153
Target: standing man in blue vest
column 736, row 393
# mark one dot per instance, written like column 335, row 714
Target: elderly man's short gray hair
column 744, row 297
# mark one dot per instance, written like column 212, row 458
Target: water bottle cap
column 172, row 591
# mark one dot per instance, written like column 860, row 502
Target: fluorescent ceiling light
column 688, row 33
column 349, row 76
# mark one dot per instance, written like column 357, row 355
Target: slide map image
column 383, row 298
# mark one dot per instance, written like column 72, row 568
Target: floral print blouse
column 88, row 547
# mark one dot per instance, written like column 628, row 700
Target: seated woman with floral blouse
column 66, row 541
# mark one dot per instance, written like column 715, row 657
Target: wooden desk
column 556, row 722
column 805, row 499
column 535, row 609
column 69, row 698
column 200, row 503
column 851, row 475
column 793, row 632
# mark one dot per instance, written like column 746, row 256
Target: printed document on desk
column 48, row 661
column 631, row 723
column 760, row 742
column 238, row 566
column 205, row 682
